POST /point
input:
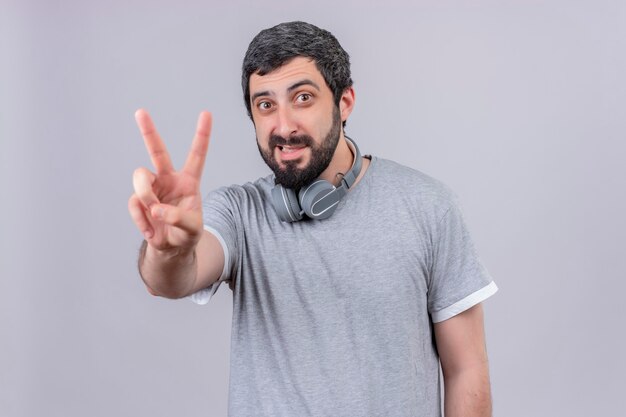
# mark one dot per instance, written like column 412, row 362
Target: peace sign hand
column 166, row 205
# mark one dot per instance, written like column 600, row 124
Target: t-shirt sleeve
column 218, row 217
column 458, row 278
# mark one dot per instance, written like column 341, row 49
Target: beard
column 290, row 175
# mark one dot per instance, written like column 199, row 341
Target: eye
column 304, row 97
column 264, row 105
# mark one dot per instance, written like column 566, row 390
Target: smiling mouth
column 288, row 152
column 290, row 149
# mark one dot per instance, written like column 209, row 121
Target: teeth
column 288, row 149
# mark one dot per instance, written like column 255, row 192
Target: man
column 347, row 313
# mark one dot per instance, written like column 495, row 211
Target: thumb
column 189, row 221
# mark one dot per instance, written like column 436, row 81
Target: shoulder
column 235, row 206
column 252, row 190
column 240, row 199
column 412, row 184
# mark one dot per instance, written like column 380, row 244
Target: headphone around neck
column 317, row 200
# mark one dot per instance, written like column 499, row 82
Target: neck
column 340, row 164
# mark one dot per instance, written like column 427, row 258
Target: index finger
column 200, row 145
column 156, row 148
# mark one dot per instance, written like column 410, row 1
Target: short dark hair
column 274, row 47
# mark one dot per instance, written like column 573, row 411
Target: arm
column 461, row 345
column 176, row 275
column 178, row 256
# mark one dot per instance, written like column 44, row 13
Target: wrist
column 169, row 255
column 168, row 273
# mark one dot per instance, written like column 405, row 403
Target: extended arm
column 461, row 345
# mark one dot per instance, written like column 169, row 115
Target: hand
column 166, row 205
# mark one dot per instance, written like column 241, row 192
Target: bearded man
column 353, row 277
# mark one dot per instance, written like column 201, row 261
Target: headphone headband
column 351, row 176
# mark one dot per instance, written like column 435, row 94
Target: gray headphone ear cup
column 311, row 198
column 286, row 204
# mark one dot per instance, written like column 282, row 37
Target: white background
column 519, row 106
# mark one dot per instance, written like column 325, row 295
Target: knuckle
column 139, row 172
column 138, row 217
column 143, row 193
column 142, row 175
column 172, row 216
column 132, row 202
column 135, row 206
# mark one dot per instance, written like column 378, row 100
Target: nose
column 287, row 124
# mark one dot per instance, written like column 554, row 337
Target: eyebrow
column 301, row 83
column 289, row 89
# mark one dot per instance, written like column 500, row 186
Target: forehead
column 299, row 68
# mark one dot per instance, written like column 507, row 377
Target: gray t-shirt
column 334, row 317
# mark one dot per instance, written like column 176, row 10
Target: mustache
column 277, row 140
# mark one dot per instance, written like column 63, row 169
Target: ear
column 346, row 103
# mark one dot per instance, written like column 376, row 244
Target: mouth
column 290, row 152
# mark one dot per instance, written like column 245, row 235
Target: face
column 297, row 123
